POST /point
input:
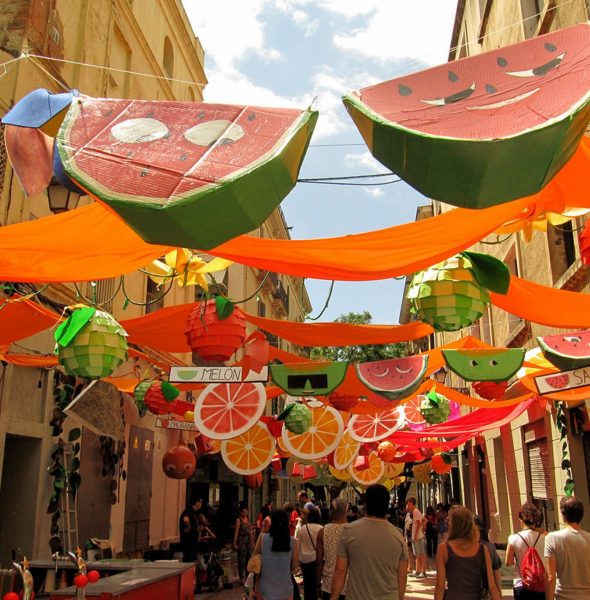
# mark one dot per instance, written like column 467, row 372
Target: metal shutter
column 540, row 470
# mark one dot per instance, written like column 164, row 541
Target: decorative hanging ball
column 80, row 581
column 139, row 395
column 490, row 390
column 343, row 402
column 189, row 416
column 179, row 462
column 297, row 418
column 253, row 481
column 441, row 463
column 421, row 472
column 90, row 343
column 93, row 576
column 453, row 294
column 215, row 330
column 10, row 596
column 159, row 396
column 435, row 408
column 386, row 451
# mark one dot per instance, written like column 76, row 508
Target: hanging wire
column 92, row 300
column 255, row 293
column 343, row 180
column 149, row 302
column 498, row 240
column 308, row 318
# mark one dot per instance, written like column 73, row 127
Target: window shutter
column 540, row 470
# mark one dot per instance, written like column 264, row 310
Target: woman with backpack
column 525, row 550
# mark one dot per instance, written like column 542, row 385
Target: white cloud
column 365, row 161
column 374, row 192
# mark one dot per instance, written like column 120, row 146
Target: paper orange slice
column 414, row 418
column 250, row 452
column 372, row 428
column 320, row 439
column 342, row 474
column 226, row 410
column 392, row 470
column 373, row 474
column 346, row 451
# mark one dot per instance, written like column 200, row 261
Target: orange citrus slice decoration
column 250, row 452
column 226, row 410
column 342, row 474
column 346, row 451
column 373, row 474
column 392, row 470
column 372, row 428
column 320, row 439
column 422, row 472
column 414, row 418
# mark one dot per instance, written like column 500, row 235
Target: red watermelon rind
column 375, row 375
column 566, row 351
column 435, row 165
column 211, row 214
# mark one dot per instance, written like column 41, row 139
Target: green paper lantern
column 139, row 395
column 435, row 408
column 297, row 418
column 96, row 349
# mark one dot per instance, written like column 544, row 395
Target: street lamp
column 440, row 376
column 60, row 198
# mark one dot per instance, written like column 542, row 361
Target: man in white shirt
column 568, row 555
column 418, row 541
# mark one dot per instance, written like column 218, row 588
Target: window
column 562, row 248
column 102, row 293
column 261, row 309
column 512, row 263
column 154, row 296
column 168, row 60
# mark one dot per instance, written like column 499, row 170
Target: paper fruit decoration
column 394, row 378
column 226, row 410
column 159, row 397
column 343, row 402
column 441, row 463
column 250, row 452
column 179, row 462
column 490, row 390
column 435, row 408
column 296, row 417
column 346, row 451
column 421, row 472
column 484, row 364
column 309, row 379
column 376, row 427
column 566, row 350
column 215, row 330
column 386, row 451
column 369, row 471
column 253, row 481
column 139, row 396
column 465, row 132
column 182, row 174
column 453, row 294
column 90, row 343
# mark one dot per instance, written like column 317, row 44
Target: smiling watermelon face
column 465, row 132
column 184, row 174
column 484, row 364
column 394, row 378
column 567, row 350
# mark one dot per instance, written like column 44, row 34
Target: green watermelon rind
column 564, row 362
column 496, row 165
column 220, row 212
column 512, row 359
column 335, row 371
column 397, row 393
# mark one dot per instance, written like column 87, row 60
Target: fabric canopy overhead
column 21, row 319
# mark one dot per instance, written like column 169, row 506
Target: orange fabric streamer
column 544, row 305
column 30, row 360
column 23, row 318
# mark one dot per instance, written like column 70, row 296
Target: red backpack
column 532, row 571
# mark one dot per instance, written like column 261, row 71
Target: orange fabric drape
column 545, row 305
column 23, row 318
column 30, row 360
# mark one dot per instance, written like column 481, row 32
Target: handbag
column 486, row 594
column 255, row 564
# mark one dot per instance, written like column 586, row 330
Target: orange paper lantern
column 386, row 451
column 179, row 462
column 343, row 402
column 211, row 338
column 490, row 390
column 439, row 465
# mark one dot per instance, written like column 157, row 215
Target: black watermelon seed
column 490, row 89
column 184, row 157
column 107, row 113
column 550, row 47
column 144, row 172
column 502, row 62
column 150, row 115
column 404, row 90
column 129, row 154
column 251, row 117
column 201, row 115
column 453, row 76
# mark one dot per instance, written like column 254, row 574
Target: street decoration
column 346, row 451
column 373, row 428
column 370, row 471
column 139, row 396
column 309, row 379
column 465, row 132
column 90, row 343
column 386, row 451
column 566, row 351
column 254, row 481
column 453, row 294
column 415, row 421
column 441, row 463
column 490, row 390
column 250, row 452
column 435, row 408
column 215, row 329
column 485, row 364
column 394, row 378
column 296, row 418
column 343, row 402
column 180, row 173
column 179, row 462
column 421, row 472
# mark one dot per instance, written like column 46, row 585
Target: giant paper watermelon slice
column 310, row 378
column 485, row 129
column 185, row 174
column 484, row 364
column 566, row 350
column 393, row 378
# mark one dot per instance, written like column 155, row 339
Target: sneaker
column 420, row 575
column 415, row 574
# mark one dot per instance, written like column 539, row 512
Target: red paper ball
column 93, row 576
column 10, row 596
column 81, row 581
column 253, row 481
column 156, row 401
column 439, row 465
column 490, row 390
column 343, row 402
column 211, row 338
column 386, row 451
column 179, row 462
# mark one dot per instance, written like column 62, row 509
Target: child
column 225, row 557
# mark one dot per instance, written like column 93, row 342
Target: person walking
column 243, row 542
column 484, row 538
column 418, row 538
column 307, row 540
column 531, row 535
column 188, row 526
column 279, row 558
column 463, row 562
column 408, row 538
column 568, row 555
column 326, row 547
column 373, row 553
column 442, row 525
column 430, row 532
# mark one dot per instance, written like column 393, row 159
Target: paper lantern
column 441, row 463
column 139, row 395
column 91, row 344
column 297, row 418
column 453, row 294
column 386, row 451
column 204, row 445
column 179, row 462
column 253, row 481
column 362, row 463
column 212, row 338
column 343, row 402
column 159, row 396
column 422, row 472
column 435, row 408
column 490, row 390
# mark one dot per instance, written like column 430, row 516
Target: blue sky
column 292, row 52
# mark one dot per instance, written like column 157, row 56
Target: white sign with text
column 215, row 375
column 566, row 380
